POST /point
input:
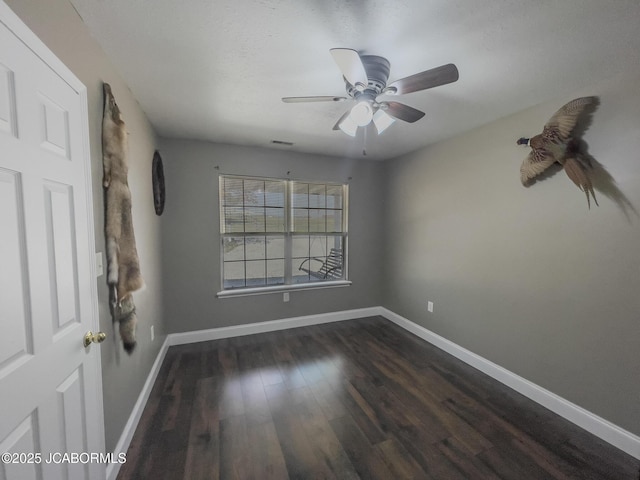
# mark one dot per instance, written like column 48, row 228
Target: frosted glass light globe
column 362, row 113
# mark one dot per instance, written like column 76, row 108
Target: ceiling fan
column 366, row 78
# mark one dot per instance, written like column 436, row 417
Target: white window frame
column 289, row 235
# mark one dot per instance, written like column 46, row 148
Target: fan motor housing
column 377, row 69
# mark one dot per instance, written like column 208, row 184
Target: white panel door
column 50, row 386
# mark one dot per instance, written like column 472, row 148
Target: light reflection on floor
column 250, row 389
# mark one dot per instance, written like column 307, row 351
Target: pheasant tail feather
column 580, row 176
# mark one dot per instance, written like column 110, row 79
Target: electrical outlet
column 153, row 333
column 430, row 306
column 285, row 297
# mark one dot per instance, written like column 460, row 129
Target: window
column 281, row 232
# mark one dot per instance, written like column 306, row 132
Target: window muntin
column 269, row 227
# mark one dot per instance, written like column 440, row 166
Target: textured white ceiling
column 217, row 69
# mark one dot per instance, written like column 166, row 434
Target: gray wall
column 528, row 278
column 191, row 234
column 61, row 29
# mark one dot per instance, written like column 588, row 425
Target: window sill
column 243, row 292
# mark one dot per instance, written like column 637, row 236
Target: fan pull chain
column 364, row 142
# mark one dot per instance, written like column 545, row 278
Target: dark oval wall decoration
column 157, row 176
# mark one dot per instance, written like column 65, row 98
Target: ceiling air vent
column 281, row 142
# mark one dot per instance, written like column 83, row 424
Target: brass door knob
column 91, row 337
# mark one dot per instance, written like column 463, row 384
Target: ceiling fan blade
column 337, row 125
column 350, row 65
column 402, row 111
column 427, row 79
column 313, row 99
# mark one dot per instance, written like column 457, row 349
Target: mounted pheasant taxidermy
column 557, row 144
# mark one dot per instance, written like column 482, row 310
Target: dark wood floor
column 356, row 399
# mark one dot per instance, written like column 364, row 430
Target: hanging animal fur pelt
column 123, row 267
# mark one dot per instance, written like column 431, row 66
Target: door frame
column 95, row 408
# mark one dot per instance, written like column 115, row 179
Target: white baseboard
column 130, row 427
column 598, row 426
column 607, row 431
column 269, row 326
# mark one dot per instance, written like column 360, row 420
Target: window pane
column 318, row 247
column 334, row 220
column 275, row 247
column 300, row 273
column 317, row 196
column 233, row 248
column 254, row 193
column 233, row 274
column 300, row 246
column 300, row 193
column 334, row 196
column 275, row 272
column 233, row 191
column 300, row 277
column 300, row 220
column 255, row 248
column 317, row 221
column 300, row 267
column 335, row 242
column 274, row 193
column 275, row 219
column 254, row 220
column 233, row 219
column 256, row 275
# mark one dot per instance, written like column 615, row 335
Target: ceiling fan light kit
column 362, row 113
column 365, row 78
column 348, row 126
column 382, row 121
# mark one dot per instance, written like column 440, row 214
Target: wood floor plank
column 327, row 447
column 365, row 459
column 173, row 441
column 362, row 413
column 231, row 400
column 298, row 450
column 399, row 462
column 203, row 452
column 145, row 430
column 508, row 466
column 329, row 401
column 172, row 361
column 469, row 465
column 434, row 417
column 251, row 364
column 234, row 449
column 355, row 399
column 265, row 455
column 291, row 375
column 502, row 433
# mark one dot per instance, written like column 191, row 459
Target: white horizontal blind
column 253, row 225
column 252, row 205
